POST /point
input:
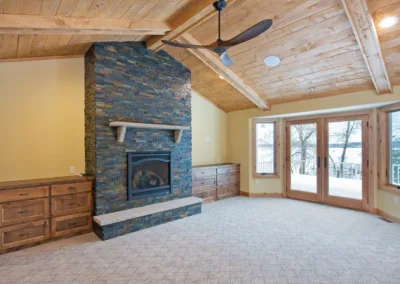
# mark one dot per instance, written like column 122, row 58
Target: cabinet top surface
column 216, row 165
column 42, row 182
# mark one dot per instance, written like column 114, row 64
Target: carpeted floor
column 238, row 240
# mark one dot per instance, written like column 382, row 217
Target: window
column 394, row 148
column 265, row 148
column 389, row 148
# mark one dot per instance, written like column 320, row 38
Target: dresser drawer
column 228, row 179
column 203, row 173
column 228, row 169
column 208, row 194
column 24, row 234
column 225, row 191
column 204, row 182
column 71, row 188
column 24, row 193
column 66, row 225
column 70, row 204
column 23, row 211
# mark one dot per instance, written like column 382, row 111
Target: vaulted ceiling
column 326, row 47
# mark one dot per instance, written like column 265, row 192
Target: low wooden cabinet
column 17, row 212
column 69, row 224
column 23, row 234
column 37, row 210
column 214, row 182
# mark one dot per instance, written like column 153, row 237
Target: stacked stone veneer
column 126, row 82
column 121, row 228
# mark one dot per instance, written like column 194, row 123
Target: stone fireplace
column 126, row 82
column 149, row 174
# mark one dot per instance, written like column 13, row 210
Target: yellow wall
column 42, row 118
column 42, row 114
column 240, row 144
column 209, row 132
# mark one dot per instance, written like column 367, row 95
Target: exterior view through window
column 303, row 147
column 345, row 159
column 265, row 148
column 394, row 148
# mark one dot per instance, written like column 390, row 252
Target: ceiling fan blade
column 183, row 45
column 248, row 34
column 226, row 59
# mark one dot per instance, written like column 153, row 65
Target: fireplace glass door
column 149, row 174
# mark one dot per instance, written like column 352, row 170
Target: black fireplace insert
column 149, row 174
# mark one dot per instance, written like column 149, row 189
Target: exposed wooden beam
column 367, row 38
column 40, row 58
column 192, row 16
column 213, row 62
column 32, row 24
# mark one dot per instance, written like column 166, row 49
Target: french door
column 327, row 160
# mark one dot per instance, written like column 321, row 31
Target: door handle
column 319, row 162
column 326, row 162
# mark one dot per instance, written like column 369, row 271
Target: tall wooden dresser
column 33, row 211
column 214, row 182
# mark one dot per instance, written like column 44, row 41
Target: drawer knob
column 22, row 212
column 73, row 203
column 72, row 188
column 72, row 224
column 23, row 194
column 21, row 235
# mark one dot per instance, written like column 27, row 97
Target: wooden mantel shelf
column 122, row 126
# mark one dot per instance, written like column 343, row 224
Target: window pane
column 303, row 157
column 345, row 159
column 394, row 148
column 265, row 151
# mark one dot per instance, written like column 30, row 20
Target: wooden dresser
column 33, row 211
column 214, row 182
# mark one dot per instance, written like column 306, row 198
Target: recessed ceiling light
column 388, row 22
column 220, row 76
column 272, row 61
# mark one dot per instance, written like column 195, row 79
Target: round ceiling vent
column 272, row 61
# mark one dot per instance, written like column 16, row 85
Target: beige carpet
column 238, row 240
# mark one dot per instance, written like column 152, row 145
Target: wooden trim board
column 269, row 195
column 387, row 216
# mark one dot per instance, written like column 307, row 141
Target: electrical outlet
column 257, row 182
column 396, row 200
column 219, row 160
column 72, row 169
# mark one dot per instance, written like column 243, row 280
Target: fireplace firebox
column 149, row 174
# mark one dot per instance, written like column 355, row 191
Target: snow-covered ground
column 350, row 188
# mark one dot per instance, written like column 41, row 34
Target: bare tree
column 303, row 138
column 343, row 137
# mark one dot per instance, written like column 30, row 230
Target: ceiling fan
column 220, row 47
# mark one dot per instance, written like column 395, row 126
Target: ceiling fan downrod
column 219, row 5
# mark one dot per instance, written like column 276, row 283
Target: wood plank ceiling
column 20, row 46
column 316, row 42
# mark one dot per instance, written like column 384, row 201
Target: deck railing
column 339, row 170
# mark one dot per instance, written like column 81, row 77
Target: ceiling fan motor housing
column 219, row 5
